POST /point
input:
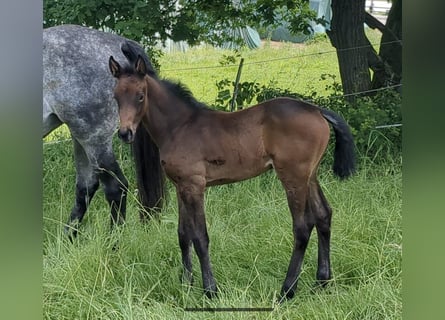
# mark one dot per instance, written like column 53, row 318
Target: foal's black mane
column 131, row 51
column 180, row 91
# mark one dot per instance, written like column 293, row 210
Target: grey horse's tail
column 150, row 175
column 344, row 153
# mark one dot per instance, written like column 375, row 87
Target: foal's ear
column 140, row 66
column 115, row 68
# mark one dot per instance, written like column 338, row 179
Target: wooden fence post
column 235, row 90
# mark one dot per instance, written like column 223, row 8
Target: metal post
column 235, row 90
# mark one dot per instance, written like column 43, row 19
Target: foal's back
column 262, row 128
column 241, row 145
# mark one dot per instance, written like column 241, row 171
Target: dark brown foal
column 200, row 147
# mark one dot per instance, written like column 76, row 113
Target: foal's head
column 131, row 95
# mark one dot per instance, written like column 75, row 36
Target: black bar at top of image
column 229, row 309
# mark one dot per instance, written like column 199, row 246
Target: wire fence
column 288, row 58
column 331, row 97
column 366, row 91
column 283, row 58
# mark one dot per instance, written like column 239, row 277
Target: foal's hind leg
column 323, row 214
column 87, row 183
column 297, row 195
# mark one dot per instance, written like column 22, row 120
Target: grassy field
column 249, row 226
column 297, row 67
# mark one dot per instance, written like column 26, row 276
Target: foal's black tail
column 344, row 154
column 150, row 175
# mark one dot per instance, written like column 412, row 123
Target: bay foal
column 200, row 147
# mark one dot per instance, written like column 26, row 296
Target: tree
column 390, row 71
column 207, row 20
column 355, row 54
column 347, row 35
column 143, row 21
column 189, row 20
column 153, row 21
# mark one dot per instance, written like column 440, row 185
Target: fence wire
column 287, row 58
column 283, row 58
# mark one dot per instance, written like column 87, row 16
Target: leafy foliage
column 189, row 20
column 247, row 90
column 364, row 116
column 136, row 19
column 368, row 116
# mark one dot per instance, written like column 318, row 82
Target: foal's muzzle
column 126, row 135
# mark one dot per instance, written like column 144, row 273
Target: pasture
column 88, row 280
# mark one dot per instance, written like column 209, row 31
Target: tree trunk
column 391, row 49
column 347, row 35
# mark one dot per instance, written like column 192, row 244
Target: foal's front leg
column 193, row 227
column 185, row 242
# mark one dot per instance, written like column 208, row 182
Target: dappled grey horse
column 78, row 91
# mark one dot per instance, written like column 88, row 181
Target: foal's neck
column 165, row 111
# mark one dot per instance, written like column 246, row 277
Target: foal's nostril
column 129, row 136
column 121, row 134
column 126, row 135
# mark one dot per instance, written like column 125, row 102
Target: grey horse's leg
column 115, row 185
column 96, row 163
column 87, row 182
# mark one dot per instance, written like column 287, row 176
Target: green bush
column 368, row 116
column 371, row 118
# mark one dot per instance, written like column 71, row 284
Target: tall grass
column 289, row 66
column 250, row 233
column 296, row 67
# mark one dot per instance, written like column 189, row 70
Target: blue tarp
column 282, row 33
column 249, row 36
column 252, row 39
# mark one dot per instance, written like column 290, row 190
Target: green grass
column 297, row 67
column 249, row 226
column 292, row 68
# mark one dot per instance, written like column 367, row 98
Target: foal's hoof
column 71, row 232
column 211, row 292
column 287, row 294
column 323, row 279
column 186, row 278
column 321, row 283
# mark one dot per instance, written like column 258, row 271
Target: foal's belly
column 223, row 172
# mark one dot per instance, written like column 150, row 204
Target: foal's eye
column 141, row 98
